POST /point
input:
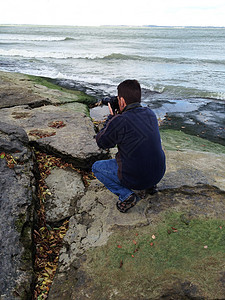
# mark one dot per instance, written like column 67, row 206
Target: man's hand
column 110, row 109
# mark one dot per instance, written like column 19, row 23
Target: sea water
column 178, row 68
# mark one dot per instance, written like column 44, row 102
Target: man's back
column 140, row 158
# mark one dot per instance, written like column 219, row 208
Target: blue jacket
column 140, row 158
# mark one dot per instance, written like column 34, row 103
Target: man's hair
column 130, row 90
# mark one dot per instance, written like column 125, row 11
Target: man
column 140, row 161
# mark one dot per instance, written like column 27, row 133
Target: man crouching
column 140, row 161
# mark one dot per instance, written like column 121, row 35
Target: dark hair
column 130, row 90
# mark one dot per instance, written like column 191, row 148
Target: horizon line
column 105, row 25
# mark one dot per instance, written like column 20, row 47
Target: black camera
column 113, row 101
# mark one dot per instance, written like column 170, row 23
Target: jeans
column 106, row 172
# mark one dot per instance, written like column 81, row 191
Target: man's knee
column 105, row 166
column 95, row 167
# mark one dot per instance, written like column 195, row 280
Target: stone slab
column 75, row 140
column 65, row 188
column 192, row 168
column 16, row 89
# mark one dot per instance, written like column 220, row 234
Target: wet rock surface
column 201, row 117
column 17, row 184
column 206, row 122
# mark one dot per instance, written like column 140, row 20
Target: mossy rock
column 178, row 140
column 181, row 256
column 77, row 107
column 19, row 222
column 77, row 95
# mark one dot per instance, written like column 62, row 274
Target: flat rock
column 74, row 140
column 16, row 89
column 17, row 184
column 96, row 216
column 65, row 188
column 20, row 89
column 192, row 168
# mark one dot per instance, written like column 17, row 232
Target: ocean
column 180, row 69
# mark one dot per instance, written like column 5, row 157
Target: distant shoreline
column 120, row 26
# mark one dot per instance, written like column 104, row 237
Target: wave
column 112, row 56
column 152, row 91
column 158, row 59
column 42, row 54
column 36, row 54
column 184, row 60
column 165, row 91
column 122, row 57
column 181, row 92
column 69, row 39
column 63, row 55
column 106, row 86
column 35, row 39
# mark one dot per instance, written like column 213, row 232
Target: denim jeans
column 106, row 172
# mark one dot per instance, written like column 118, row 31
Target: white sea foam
column 154, row 87
column 46, row 54
column 84, row 79
column 31, row 38
column 66, row 55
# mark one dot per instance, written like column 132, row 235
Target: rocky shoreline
column 36, row 114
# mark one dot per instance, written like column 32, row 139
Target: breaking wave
column 122, row 57
column 112, row 56
column 32, row 38
column 181, row 92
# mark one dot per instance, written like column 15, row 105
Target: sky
column 114, row 12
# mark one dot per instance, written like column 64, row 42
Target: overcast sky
column 114, row 12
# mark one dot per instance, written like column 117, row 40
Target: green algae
column 77, row 107
column 147, row 261
column 180, row 141
column 19, row 222
column 78, row 95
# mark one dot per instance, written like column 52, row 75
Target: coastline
column 35, row 88
column 20, row 89
column 188, row 207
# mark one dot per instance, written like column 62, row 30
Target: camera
column 113, row 101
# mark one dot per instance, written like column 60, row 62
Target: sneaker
column 124, row 206
column 142, row 194
column 152, row 190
